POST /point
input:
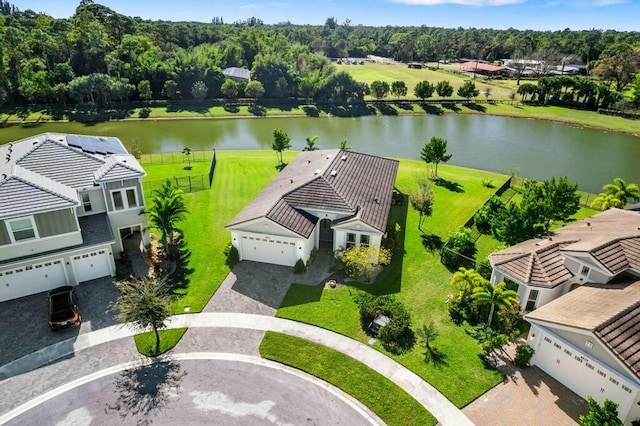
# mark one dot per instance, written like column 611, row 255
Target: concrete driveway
column 24, row 321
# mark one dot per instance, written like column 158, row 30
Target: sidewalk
column 429, row 397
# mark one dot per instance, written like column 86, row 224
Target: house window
column 22, row 229
column 351, row 239
column 86, row 202
column 584, row 270
column 364, row 240
column 124, row 199
column 532, row 299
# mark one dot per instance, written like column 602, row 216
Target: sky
column 623, row 15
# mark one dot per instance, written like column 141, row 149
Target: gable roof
column 342, row 181
column 44, row 172
column 611, row 312
column 611, row 237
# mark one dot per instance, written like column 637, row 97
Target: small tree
column 166, row 211
column 623, row 191
column 229, row 89
column 399, row 89
column 444, row 89
column 144, row 302
column 435, row 151
column 427, row 333
column 170, row 89
column 199, row 90
column 311, row 144
column 135, row 149
column 468, row 90
column 281, row 141
column 495, row 295
column 344, row 146
column 144, row 89
column 255, row 90
column 187, row 152
column 379, row 89
column 459, row 242
column 423, row 90
column 422, row 199
column 601, row 415
column 361, row 261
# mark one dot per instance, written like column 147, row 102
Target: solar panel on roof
column 93, row 144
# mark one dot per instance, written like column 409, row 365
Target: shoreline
column 561, row 120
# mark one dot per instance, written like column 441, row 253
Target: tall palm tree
column 167, row 210
column 606, row 201
column 622, row 191
column 495, row 295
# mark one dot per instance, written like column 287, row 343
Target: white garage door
column 89, row 266
column 269, row 250
column 31, row 279
column 581, row 374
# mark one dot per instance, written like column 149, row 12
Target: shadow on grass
column 385, row 109
column 311, row 110
column 437, row 358
column 233, row 109
column 407, row 106
column 431, row 242
column 350, row 110
column 280, row 166
column 301, row 295
column 144, row 391
column 431, row 109
column 200, row 108
column 451, row 107
column 449, row 185
column 258, row 110
column 180, row 277
column 474, row 106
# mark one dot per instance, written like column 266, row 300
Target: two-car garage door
column 269, row 250
column 31, row 279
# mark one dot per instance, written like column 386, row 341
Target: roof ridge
column 617, row 316
column 114, row 162
column 60, row 144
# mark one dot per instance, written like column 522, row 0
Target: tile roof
column 611, row 312
column 611, row 237
column 25, row 192
column 621, row 334
column 344, row 181
column 118, row 167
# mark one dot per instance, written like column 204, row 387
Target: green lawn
column 417, row 278
column 391, row 403
column 146, row 342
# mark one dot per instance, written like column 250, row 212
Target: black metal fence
column 212, row 167
column 175, row 157
column 190, row 183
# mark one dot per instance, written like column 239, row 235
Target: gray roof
column 44, row 172
column 344, row 181
column 235, row 72
column 95, row 230
column 611, row 237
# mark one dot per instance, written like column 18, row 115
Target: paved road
column 251, row 391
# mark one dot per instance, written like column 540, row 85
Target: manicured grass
column 146, row 342
column 392, row 404
column 239, row 176
column 417, row 278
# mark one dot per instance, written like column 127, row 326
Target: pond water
column 535, row 148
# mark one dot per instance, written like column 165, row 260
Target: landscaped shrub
column 460, row 242
column 486, row 213
column 312, row 256
column 300, row 267
column 233, row 257
column 523, row 355
column 361, row 261
column 397, row 336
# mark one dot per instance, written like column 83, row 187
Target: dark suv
column 63, row 308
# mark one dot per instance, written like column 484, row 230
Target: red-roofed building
column 482, row 68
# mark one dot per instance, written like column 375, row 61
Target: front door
column 326, row 233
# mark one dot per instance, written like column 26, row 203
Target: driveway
column 245, row 391
column 528, row 395
column 24, row 321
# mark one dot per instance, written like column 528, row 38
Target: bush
column 233, row 257
column 460, row 242
column 397, row 336
column 312, row 256
column 300, row 267
column 523, row 355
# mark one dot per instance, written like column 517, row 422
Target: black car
column 63, row 308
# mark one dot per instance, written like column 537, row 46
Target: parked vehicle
column 63, row 308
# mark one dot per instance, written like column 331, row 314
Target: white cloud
column 251, row 6
column 463, row 2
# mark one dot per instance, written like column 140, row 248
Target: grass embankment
column 391, row 403
column 146, row 342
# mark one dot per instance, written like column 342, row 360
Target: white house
column 580, row 288
column 334, row 196
column 68, row 201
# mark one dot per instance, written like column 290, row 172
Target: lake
column 535, row 148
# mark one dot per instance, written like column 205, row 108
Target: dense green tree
column 459, row 242
column 444, row 89
column 144, row 90
column 254, row 89
column 341, row 89
column 399, row 89
column 435, row 151
column 379, row 89
column 495, row 295
column 468, row 90
column 551, row 200
column 423, row 90
column 170, row 89
column 601, row 415
column 274, row 74
column 281, row 141
column 619, row 64
column 199, row 90
column 229, row 89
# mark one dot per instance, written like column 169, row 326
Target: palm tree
column 606, row 201
column 622, row 191
column 466, row 280
column 428, row 333
column 311, row 144
column 167, row 210
column 494, row 295
column 144, row 302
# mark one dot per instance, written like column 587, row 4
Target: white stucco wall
column 40, row 245
column 96, row 196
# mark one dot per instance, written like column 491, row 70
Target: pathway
column 428, row 396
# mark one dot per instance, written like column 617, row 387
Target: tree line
column 103, row 57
